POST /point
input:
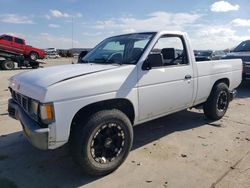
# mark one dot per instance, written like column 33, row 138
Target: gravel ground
column 180, row 150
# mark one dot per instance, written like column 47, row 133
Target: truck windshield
column 243, row 47
column 123, row 49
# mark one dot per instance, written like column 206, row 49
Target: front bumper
column 36, row 135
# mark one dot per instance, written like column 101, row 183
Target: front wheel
column 102, row 144
column 33, row 56
column 217, row 103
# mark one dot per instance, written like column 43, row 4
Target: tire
column 8, row 65
column 103, row 143
column 34, row 67
column 217, row 103
column 33, row 56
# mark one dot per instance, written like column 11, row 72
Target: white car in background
column 51, row 53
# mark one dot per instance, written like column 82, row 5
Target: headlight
column 47, row 113
column 33, row 108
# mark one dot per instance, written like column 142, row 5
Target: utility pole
column 72, row 37
column 72, row 32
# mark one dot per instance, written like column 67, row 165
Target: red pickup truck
column 16, row 45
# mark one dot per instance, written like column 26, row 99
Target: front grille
column 24, row 103
column 22, row 100
column 19, row 98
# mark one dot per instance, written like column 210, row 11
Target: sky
column 211, row 24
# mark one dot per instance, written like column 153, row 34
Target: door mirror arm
column 146, row 65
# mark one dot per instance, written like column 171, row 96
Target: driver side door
column 168, row 87
column 19, row 45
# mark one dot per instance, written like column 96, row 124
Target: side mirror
column 82, row 55
column 153, row 60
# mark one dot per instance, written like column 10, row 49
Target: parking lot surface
column 180, row 150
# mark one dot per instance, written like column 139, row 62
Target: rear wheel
column 102, row 144
column 33, row 56
column 217, row 103
column 8, row 65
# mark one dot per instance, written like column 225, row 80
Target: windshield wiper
column 113, row 62
column 84, row 61
column 87, row 61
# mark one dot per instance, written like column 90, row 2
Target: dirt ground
column 180, row 150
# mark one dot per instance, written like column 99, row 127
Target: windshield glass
column 243, row 47
column 124, row 49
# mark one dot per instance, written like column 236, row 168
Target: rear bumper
column 232, row 95
column 36, row 135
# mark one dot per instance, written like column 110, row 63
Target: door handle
column 188, row 77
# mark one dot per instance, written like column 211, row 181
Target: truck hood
column 244, row 56
column 37, row 81
column 52, row 75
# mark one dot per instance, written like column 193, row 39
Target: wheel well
column 123, row 105
column 34, row 52
column 223, row 80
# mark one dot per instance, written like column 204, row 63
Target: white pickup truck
column 124, row 81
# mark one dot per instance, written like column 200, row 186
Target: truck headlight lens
column 33, row 108
column 47, row 113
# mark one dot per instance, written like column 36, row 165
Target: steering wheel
column 178, row 57
column 115, row 60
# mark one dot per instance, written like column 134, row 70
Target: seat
column 168, row 56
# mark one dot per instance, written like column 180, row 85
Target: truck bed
column 208, row 71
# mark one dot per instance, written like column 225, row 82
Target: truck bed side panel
column 211, row 71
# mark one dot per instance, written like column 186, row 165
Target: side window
column 18, row 41
column 8, row 38
column 172, row 49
